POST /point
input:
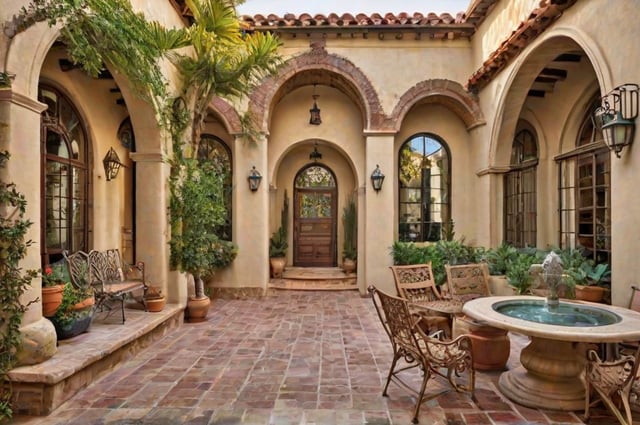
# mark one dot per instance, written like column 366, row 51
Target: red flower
column 48, row 271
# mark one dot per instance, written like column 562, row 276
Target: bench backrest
column 95, row 268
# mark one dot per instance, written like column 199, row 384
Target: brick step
column 315, row 273
column 346, row 283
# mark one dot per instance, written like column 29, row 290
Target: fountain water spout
column 552, row 270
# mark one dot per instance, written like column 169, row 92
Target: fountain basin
column 564, row 314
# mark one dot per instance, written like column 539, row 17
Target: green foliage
column 350, row 226
column 278, row 243
column 55, row 274
column 517, row 272
column 447, row 230
column 598, row 275
column 13, row 280
column 498, row 259
column 456, row 252
column 65, row 314
column 197, row 205
column 439, row 254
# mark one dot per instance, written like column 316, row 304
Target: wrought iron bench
column 111, row 279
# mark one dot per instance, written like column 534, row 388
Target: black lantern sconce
column 254, row 179
column 112, row 164
column 315, row 155
column 314, row 113
column 616, row 117
column 376, row 179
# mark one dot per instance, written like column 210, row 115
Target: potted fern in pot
column 278, row 243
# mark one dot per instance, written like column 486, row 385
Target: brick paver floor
column 292, row 358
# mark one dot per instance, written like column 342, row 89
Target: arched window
column 213, row 149
column 64, row 173
column 585, row 192
column 424, row 201
column 520, row 213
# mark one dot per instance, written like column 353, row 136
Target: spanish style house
column 483, row 120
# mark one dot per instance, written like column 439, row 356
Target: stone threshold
column 315, row 279
column 39, row 389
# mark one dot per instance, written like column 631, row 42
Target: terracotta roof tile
column 348, row 20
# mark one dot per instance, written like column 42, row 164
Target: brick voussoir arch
column 448, row 93
column 340, row 73
column 228, row 115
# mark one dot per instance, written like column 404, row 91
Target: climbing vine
column 13, row 280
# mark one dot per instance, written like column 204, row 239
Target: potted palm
column 278, row 243
column 349, row 244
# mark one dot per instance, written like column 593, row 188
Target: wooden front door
column 315, row 218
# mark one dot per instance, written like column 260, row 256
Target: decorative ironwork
column 315, row 176
column 616, row 116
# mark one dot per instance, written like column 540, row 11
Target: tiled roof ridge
column 350, row 19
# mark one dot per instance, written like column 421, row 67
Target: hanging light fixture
column 254, row 179
column 111, row 164
column 315, row 155
column 615, row 118
column 314, row 113
column 377, row 178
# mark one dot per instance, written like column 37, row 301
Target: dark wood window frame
column 419, row 199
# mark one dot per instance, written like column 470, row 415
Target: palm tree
column 213, row 56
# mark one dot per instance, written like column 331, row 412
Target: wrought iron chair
column 412, row 348
column 629, row 348
column 468, row 281
column 492, row 345
column 614, row 383
column 416, row 284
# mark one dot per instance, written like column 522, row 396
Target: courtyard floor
column 291, row 358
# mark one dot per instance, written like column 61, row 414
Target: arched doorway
column 315, row 217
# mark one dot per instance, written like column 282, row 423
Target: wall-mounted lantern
column 616, row 117
column 254, row 179
column 112, row 164
column 377, row 178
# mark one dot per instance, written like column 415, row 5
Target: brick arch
column 317, row 67
column 227, row 115
column 443, row 92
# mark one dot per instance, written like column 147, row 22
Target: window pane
column 64, row 169
column 213, row 149
column 315, row 176
column 423, row 174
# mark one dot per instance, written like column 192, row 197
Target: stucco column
column 250, row 217
column 379, row 214
column 20, row 135
column 152, row 224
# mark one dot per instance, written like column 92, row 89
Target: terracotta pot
column 51, row 299
column 85, row 303
column 277, row 266
column 491, row 346
column 348, row 265
column 589, row 293
column 155, row 305
column 197, row 309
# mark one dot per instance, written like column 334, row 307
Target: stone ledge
column 39, row 389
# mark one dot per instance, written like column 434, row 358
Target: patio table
column 551, row 365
